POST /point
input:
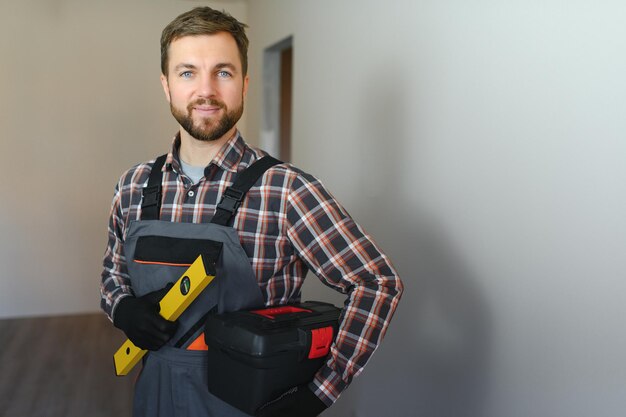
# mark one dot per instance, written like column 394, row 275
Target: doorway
column 277, row 99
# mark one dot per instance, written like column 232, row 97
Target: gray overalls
column 173, row 381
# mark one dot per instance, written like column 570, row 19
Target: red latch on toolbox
column 320, row 342
column 271, row 313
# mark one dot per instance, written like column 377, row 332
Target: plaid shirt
column 288, row 225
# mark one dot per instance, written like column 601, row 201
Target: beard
column 207, row 129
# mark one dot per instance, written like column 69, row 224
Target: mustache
column 206, row 102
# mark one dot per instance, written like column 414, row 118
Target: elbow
column 399, row 287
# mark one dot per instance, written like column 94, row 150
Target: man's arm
column 138, row 317
column 115, row 283
column 344, row 257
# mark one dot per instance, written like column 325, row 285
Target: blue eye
column 185, row 74
column 223, row 74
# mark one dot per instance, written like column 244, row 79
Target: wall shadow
column 435, row 359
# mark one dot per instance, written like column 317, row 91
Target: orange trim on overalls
column 159, row 263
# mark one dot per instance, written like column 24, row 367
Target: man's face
column 205, row 85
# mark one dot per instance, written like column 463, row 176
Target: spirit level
column 178, row 298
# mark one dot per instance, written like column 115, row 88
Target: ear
column 245, row 85
column 166, row 88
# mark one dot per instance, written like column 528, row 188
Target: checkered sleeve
column 344, row 257
column 115, row 283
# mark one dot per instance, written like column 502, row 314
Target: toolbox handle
column 272, row 312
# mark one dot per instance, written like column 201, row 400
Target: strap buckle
column 151, row 196
column 231, row 200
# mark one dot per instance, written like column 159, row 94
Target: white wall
column 482, row 144
column 80, row 102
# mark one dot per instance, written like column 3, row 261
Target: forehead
column 204, row 50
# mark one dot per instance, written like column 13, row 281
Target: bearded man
column 267, row 237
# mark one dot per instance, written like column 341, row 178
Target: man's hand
column 139, row 318
column 297, row 402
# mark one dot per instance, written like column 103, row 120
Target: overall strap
column 151, row 202
column 234, row 195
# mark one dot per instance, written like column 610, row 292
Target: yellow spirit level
column 178, row 298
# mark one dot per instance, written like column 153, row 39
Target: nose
column 206, row 86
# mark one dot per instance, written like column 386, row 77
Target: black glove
column 297, row 402
column 139, row 318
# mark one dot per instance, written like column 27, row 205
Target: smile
column 206, row 109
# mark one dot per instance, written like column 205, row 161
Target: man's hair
column 204, row 21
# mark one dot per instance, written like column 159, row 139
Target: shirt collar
column 230, row 155
column 227, row 158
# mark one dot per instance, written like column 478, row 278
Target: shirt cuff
column 328, row 385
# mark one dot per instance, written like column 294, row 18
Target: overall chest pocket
column 159, row 260
column 174, row 251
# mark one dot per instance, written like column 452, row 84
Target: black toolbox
column 255, row 356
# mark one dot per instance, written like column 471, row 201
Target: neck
column 200, row 153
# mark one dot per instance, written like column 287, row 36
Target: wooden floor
column 62, row 367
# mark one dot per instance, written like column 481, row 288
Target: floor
column 62, row 366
